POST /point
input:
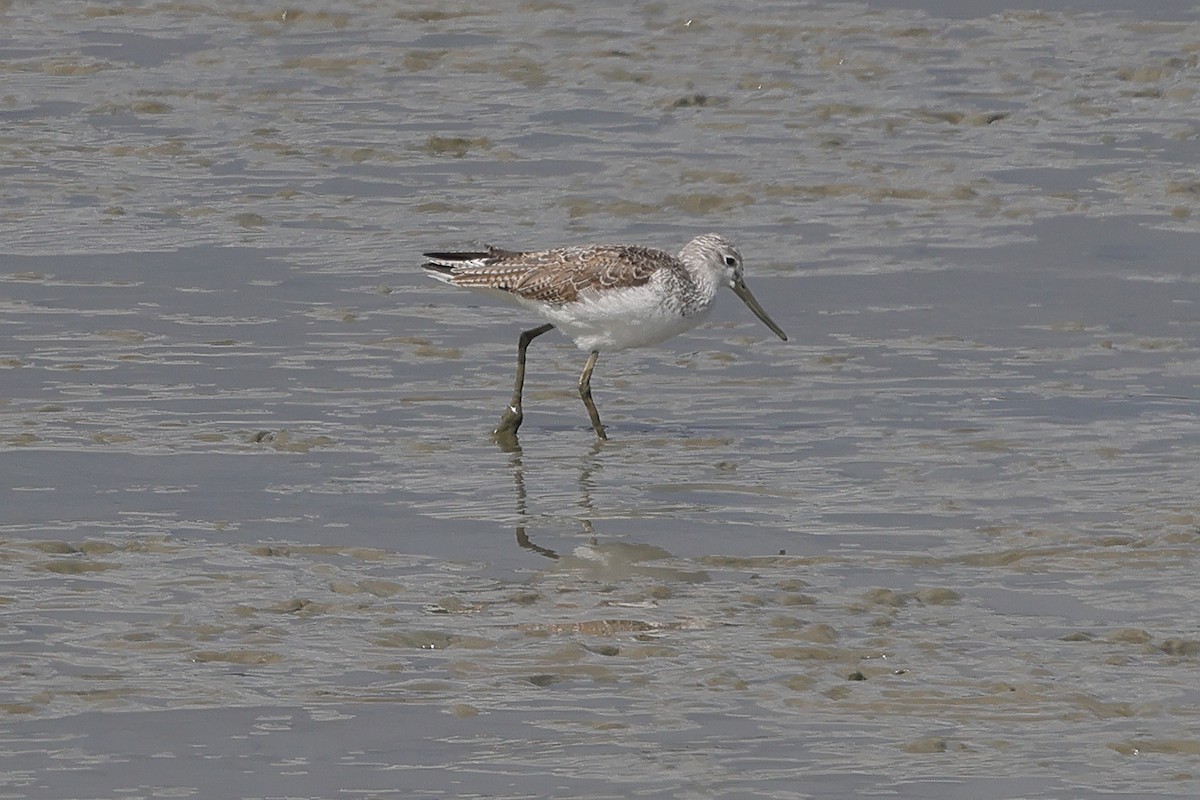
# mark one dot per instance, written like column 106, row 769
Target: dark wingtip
column 444, row 261
column 455, row 255
column 471, row 255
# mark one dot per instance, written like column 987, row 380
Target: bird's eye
column 730, row 261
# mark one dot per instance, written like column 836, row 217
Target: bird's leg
column 510, row 420
column 585, row 392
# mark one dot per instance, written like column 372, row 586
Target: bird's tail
column 448, row 261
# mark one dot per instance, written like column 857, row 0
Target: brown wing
column 555, row 276
column 575, row 270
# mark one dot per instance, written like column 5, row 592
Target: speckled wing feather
column 552, row 276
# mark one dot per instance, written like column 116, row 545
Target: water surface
column 257, row 542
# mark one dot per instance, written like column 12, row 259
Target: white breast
column 615, row 319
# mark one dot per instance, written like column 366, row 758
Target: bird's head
column 723, row 260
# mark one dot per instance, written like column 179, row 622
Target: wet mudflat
column 256, row 541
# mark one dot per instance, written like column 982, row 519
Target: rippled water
column 256, row 541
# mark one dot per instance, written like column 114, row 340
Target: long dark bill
column 741, row 290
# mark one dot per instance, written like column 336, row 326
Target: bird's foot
column 510, row 420
column 505, row 434
column 586, row 393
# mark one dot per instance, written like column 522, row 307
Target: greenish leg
column 585, row 392
column 510, row 420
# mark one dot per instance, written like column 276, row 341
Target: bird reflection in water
column 517, row 466
column 597, row 560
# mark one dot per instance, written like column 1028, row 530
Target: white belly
column 615, row 319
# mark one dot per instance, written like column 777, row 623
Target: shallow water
column 256, row 541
